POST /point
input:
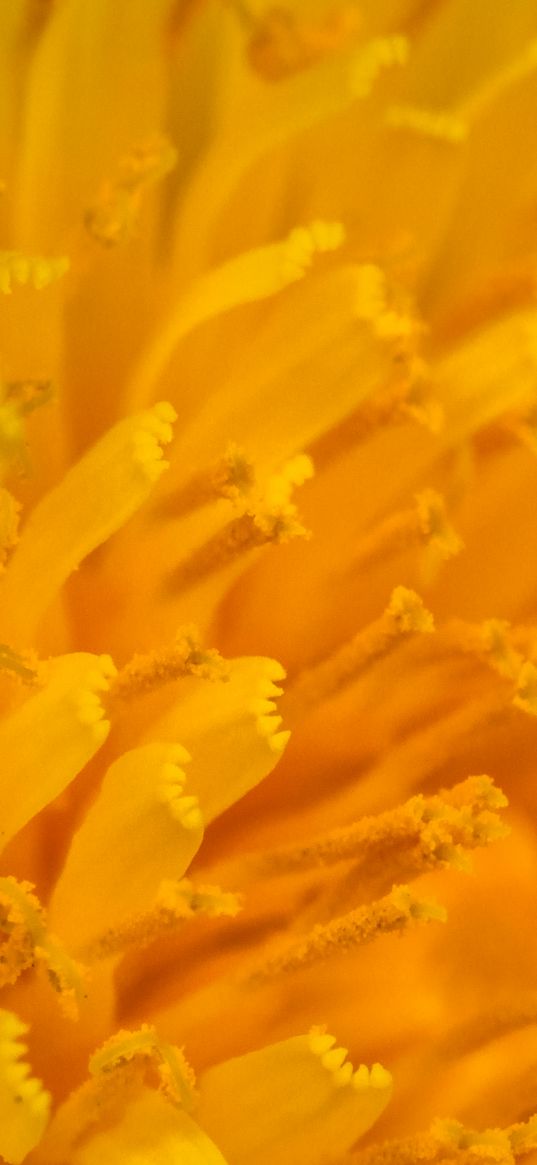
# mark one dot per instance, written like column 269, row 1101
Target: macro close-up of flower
column 268, row 582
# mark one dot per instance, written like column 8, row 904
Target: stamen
column 16, row 267
column 22, row 919
column 17, row 665
column 176, row 903
column 232, row 477
column 184, row 657
column 401, row 843
column 395, row 912
column 28, row 394
column 525, row 696
column 272, row 519
column 282, row 43
column 112, row 218
column 405, row 615
column 409, row 399
column 448, row 1141
column 17, row 399
column 175, row 1075
column 427, row 524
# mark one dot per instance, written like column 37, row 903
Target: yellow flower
column 268, row 417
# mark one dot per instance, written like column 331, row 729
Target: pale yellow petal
column 151, row 1132
column 47, row 740
column 231, row 731
column 298, row 1102
column 144, row 827
column 93, row 500
column 24, row 1105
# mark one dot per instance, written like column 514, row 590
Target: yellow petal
column 230, row 730
column 313, row 335
column 47, row 740
column 144, row 827
column 93, row 500
column 298, row 1102
column 24, row 1105
column 85, row 57
column 150, row 1131
column 254, row 275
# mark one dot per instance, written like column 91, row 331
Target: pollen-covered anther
column 418, row 401
column 29, row 942
column 185, row 656
column 282, row 43
column 15, row 267
column 434, row 526
column 176, row 902
column 496, row 638
column 271, row 517
column 231, row 477
column 18, row 666
column 525, row 696
column 395, row 912
column 175, row 1076
column 448, row 1141
column 408, row 612
column 402, row 843
column 112, row 217
column 405, row 615
column 9, row 525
